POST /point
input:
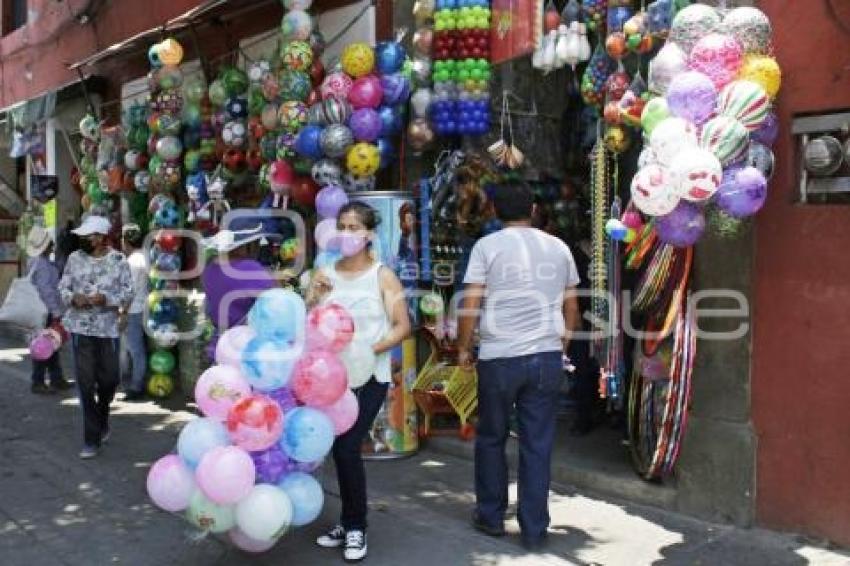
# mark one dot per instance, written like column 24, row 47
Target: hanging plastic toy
column 217, row 206
column 601, row 66
column 594, row 13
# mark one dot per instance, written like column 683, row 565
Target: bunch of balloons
column 461, row 69
column 711, row 126
column 272, row 406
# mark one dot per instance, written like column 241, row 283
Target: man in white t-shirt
column 520, row 286
column 134, row 332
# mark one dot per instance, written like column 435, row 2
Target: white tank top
column 361, row 297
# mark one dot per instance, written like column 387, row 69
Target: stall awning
column 205, row 12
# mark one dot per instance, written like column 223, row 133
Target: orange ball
column 615, row 45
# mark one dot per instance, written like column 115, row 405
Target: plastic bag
column 23, row 305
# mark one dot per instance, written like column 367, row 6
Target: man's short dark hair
column 513, row 201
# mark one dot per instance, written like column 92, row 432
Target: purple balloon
column 41, row 348
column 682, row 227
column 692, row 96
column 768, row 131
column 396, row 88
column 366, row 124
column 271, row 464
column 284, row 398
column 742, row 192
column 330, row 200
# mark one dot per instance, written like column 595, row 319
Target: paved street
column 58, row 510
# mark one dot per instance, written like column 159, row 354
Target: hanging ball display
column 335, row 140
column 692, row 23
column 363, row 159
column 652, row 191
column 336, row 84
column 764, row 71
column 745, row 101
column 692, row 96
column 296, row 26
column 170, row 52
column 297, row 56
column 358, row 59
column 751, row 27
column 725, row 137
column 718, row 56
column 292, row 115
column 696, row 174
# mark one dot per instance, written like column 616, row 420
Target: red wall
column 801, row 341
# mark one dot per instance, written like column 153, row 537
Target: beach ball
column 358, row 59
column 255, row 422
column 297, row 55
column 217, row 93
column 292, row 115
column 336, row 84
column 363, row 159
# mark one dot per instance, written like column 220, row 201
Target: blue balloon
column 198, row 437
column 391, row 120
column 389, row 57
column 308, row 434
column 267, row 363
column 387, row 152
column 306, row 496
column 308, row 143
column 279, row 314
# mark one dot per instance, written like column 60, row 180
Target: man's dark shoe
column 40, row 389
column 134, row 396
column 483, row 527
column 61, row 384
column 534, row 544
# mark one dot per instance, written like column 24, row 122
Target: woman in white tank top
column 374, row 298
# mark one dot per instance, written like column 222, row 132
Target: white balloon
column 420, row 101
column 652, row 191
column 265, row 513
column 671, row 136
column 696, row 174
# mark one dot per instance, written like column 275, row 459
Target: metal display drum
column 395, row 432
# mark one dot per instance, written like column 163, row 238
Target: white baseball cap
column 93, row 225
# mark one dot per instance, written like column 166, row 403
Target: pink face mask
column 351, row 243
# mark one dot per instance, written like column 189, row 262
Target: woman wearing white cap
column 95, row 284
column 45, row 277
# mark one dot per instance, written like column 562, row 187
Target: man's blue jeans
column 530, row 384
column 136, row 357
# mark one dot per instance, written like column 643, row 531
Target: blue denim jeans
column 134, row 337
column 530, row 384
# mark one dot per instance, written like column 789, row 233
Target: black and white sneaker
column 355, row 546
column 334, row 538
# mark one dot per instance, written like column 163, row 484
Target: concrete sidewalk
column 57, row 509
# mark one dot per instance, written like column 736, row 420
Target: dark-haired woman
column 374, row 298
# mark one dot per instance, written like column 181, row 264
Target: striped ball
column 725, row 137
column 745, row 101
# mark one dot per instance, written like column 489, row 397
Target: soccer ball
column 234, row 133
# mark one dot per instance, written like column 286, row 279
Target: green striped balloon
column 745, row 101
column 725, row 137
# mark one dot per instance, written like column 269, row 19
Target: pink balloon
column 41, row 348
column 228, row 350
column 343, row 413
column 170, row 483
column 218, row 389
column 336, row 84
column 226, row 474
column 717, row 56
column 255, row 422
column 326, row 235
column 243, row 542
column 319, row 378
column 366, row 92
column 329, row 327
